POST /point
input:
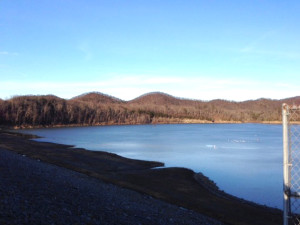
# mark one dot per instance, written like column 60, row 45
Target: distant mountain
column 99, row 109
column 156, row 98
column 292, row 101
column 34, row 97
column 97, row 97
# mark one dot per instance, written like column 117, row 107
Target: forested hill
column 97, row 108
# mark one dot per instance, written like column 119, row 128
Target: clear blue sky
column 234, row 50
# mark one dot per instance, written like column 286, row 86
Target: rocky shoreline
column 33, row 192
column 177, row 186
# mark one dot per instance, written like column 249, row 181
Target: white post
column 286, row 164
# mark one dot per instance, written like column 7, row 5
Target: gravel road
column 33, row 192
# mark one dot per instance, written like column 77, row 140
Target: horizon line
column 145, row 94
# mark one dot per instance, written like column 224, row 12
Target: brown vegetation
column 97, row 108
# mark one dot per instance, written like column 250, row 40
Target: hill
column 99, row 109
column 292, row 101
column 156, row 98
column 97, row 97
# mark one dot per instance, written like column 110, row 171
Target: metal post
column 286, row 165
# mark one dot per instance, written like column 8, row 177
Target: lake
column 244, row 160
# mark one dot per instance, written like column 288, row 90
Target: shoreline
column 184, row 121
column 34, row 192
column 175, row 185
column 203, row 180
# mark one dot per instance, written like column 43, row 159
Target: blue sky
column 234, row 50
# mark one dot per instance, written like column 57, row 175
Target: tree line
column 97, row 108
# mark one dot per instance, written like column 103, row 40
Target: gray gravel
column 33, row 192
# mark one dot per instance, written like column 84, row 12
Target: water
column 244, row 160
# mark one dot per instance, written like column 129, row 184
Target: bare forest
column 100, row 109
